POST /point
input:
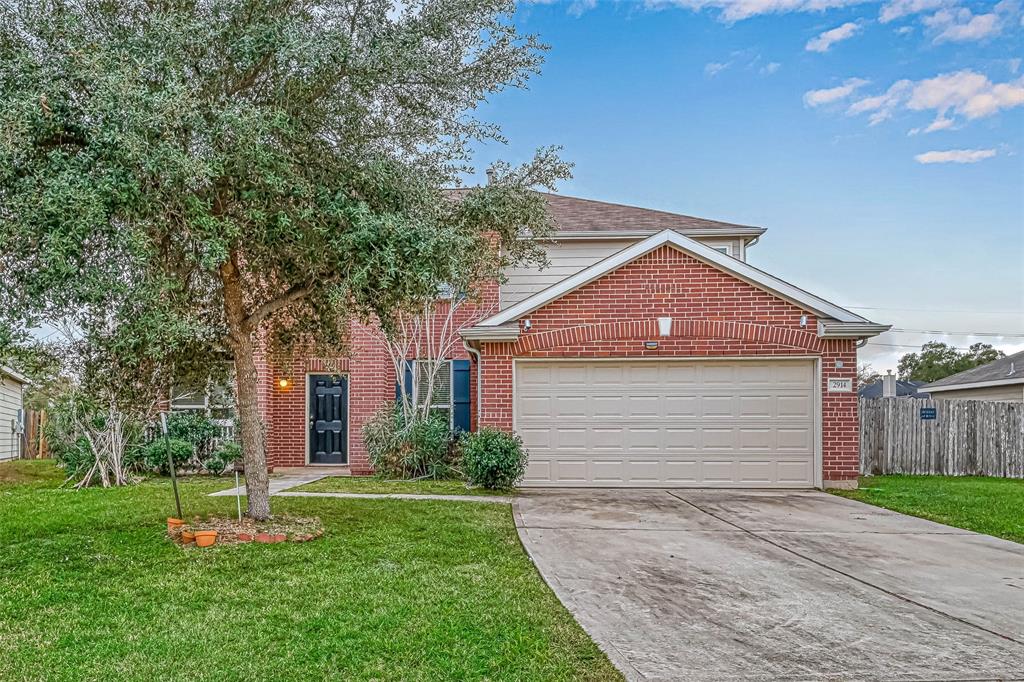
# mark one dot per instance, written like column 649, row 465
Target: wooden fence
column 966, row 437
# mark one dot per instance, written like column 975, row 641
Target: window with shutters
column 441, row 395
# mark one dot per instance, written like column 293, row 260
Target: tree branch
column 296, row 293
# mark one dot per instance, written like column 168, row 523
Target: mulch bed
column 277, row 529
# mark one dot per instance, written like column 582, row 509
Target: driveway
column 750, row 585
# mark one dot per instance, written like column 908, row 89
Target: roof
column 859, row 326
column 7, row 371
column 903, row 389
column 574, row 216
column 1008, row 370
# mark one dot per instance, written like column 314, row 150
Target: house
column 1002, row 379
column 648, row 353
column 895, row 388
column 12, row 413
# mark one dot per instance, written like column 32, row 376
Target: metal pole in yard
column 238, row 495
column 170, row 463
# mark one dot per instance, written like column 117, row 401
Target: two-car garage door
column 729, row 423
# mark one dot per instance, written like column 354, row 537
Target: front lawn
column 994, row 506
column 90, row 588
column 373, row 484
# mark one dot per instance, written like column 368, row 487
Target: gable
column 700, row 252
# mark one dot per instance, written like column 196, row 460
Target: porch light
column 664, row 326
column 283, row 383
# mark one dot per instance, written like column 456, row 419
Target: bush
column 492, row 458
column 422, row 449
column 224, row 455
column 76, row 457
column 155, row 453
column 195, row 428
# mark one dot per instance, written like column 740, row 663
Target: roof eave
column 832, row 329
column 508, row 333
column 724, row 232
column 932, row 388
column 20, row 378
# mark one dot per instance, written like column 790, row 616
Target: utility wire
column 940, row 331
column 938, row 310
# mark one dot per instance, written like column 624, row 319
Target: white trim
column 20, row 378
column 817, row 460
column 701, row 251
column 725, row 233
column 928, row 388
column 829, row 329
column 348, row 419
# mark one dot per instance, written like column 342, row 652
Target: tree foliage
column 938, row 360
column 188, row 179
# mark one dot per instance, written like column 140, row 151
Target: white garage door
column 736, row 423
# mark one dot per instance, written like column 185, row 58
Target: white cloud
column 966, row 93
column 737, row 10
column 827, row 39
column 959, row 24
column 940, row 123
column 712, row 69
column 956, row 156
column 770, row 68
column 897, row 9
column 816, row 98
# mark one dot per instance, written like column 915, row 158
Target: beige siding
column 1010, row 392
column 10, row 403
column 568, row 257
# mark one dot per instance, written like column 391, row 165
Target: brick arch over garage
column 647, row 330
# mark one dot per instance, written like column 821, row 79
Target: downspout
column 861, row 343
column 479, row 378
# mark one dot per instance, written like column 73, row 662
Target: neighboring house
column 1002, row 379
column 12, row 413
column 648, row 353
column 901, row 389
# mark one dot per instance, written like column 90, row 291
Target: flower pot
column 187, row 537
column 174, row 524
column 205, row 538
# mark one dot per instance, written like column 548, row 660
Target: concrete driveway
column 725, row 585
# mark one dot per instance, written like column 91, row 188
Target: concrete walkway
column 746, row 585
column 282, row 482
column 405, row 496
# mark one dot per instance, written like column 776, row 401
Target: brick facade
column 714, row 315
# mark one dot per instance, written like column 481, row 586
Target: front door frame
column 348, row 420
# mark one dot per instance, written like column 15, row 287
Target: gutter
column 833, row 329
column 929, row 388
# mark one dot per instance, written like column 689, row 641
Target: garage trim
column 817, row 463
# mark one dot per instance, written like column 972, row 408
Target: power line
column 938, row 310
column 939, row 331
column 908, row 345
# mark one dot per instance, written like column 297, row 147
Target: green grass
column 372, row 484
column 90, row 588
column 994, row 506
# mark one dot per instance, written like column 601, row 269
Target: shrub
column 218, row 461
column 76, row 457
column 492, row 458
column 422, row 449
column 155, row 454
column 195, row 428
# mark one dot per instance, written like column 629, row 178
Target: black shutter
column 460, row 395
column 408, row 382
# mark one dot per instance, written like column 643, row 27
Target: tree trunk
column 250, row 427
column 250, row 422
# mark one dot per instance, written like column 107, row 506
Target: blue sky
column 813, row 123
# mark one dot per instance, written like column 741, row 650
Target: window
column 441, row 394
column 215, row 401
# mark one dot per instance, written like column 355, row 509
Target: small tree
column 232, row 176
column 938, row 360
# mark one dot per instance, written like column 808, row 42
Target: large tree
column 938, row 360
column 238, row 175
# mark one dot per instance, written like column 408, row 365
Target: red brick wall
column 714, row 314
column 371, row 387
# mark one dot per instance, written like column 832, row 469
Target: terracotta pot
column 245, row 537
column 280, row 537
column 174, row 524
column 205, row 538
column 264, row 537
column 187, row 537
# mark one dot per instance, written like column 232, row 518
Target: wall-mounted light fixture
column 527, row 325
column 803, row 320
column 283, row 384
column 650, row 345
column 664, row 326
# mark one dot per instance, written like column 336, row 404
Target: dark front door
column 328, row 419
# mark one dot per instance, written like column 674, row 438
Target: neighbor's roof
column 7, row 371
column 1008, row 370
column 575, row 216
column 903, row 389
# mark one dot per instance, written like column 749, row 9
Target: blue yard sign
column 928, row 413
